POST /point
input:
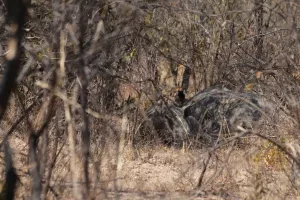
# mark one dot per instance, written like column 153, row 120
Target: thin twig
column 70, row 102
column 15, row 125
column 205, row 164
column 71, row 132
column 280, row 146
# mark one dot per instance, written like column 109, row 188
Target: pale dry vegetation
column 78, row 77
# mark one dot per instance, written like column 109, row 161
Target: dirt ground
column 256, row 171
column 162, row 173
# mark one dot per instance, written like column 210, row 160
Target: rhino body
column 169, row 122
column 208, row 115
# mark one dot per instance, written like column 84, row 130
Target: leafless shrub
column 88, row 74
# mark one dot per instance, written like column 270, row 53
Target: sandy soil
column 159, row 172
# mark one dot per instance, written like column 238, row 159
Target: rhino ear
column 180, row 97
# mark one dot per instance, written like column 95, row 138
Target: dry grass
column 252, row 168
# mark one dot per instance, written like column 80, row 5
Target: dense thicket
column 89, row 67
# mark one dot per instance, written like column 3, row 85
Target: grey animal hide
column 208, row 114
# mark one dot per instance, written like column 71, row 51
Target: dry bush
column 90, row 71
